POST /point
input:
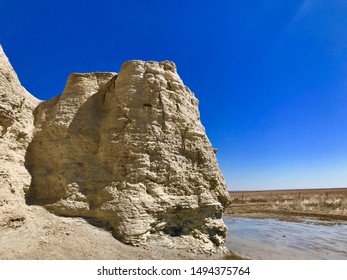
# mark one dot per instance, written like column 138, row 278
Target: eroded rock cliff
column 16, row 129
column 126, row 150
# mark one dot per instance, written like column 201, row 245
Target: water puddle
column 271, row 239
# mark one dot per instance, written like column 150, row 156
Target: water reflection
column 273, row 239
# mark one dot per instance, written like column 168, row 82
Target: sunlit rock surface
column 127, row 151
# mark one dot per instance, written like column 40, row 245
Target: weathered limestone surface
column 130, row 150
column 16, row 129
column 127, row 150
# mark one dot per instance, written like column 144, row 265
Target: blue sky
column 271, row 76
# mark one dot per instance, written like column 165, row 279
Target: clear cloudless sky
column 271, row 76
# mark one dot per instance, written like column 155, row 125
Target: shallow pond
column 272, row 239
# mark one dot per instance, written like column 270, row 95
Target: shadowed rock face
column 129, row 150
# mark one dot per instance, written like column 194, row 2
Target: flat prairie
column 290, row 205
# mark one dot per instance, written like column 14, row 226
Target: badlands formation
column 126, row 152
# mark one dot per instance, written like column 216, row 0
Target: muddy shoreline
column 286, row 216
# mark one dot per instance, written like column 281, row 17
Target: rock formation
column 16, row 129
column 126, row 150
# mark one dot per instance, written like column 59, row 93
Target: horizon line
column 288, row 189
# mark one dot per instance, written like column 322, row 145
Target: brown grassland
column 290, row 205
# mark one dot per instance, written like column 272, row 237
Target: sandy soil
column 43, row 235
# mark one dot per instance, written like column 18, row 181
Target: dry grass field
column 325, row 204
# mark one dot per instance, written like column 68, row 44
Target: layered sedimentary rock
column 130, row 150
column 126, row 150
column 16, row 129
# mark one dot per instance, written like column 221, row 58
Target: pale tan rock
column 16, row 129
column 126, row 150
column 130, row 151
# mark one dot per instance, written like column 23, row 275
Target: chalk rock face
column 16, row 129
column 129, row 150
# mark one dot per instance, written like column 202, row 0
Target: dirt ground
column 53, row 237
